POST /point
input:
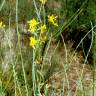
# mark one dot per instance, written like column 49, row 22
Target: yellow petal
column 33, row 42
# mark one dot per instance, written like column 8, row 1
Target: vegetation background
column 16, row 57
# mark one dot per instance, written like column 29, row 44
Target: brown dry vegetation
column 72, row 77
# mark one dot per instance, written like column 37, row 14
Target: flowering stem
column 33, row 72
column 44, row 14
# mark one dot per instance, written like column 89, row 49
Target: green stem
column 33, row 73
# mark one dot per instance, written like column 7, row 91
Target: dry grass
column 72, row 78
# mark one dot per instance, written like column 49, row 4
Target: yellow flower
column 33, row 42
column 43, row 39
column 43, row 28
column 52, row 20
column 2, row 25
column 32, row 25
column 43, row 1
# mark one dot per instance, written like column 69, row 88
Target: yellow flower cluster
column 32, row 25
column 52, row 19
column 39, row 30
column 43, row 28
column 2, row 25
column 33, row 42
column 43, row 1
